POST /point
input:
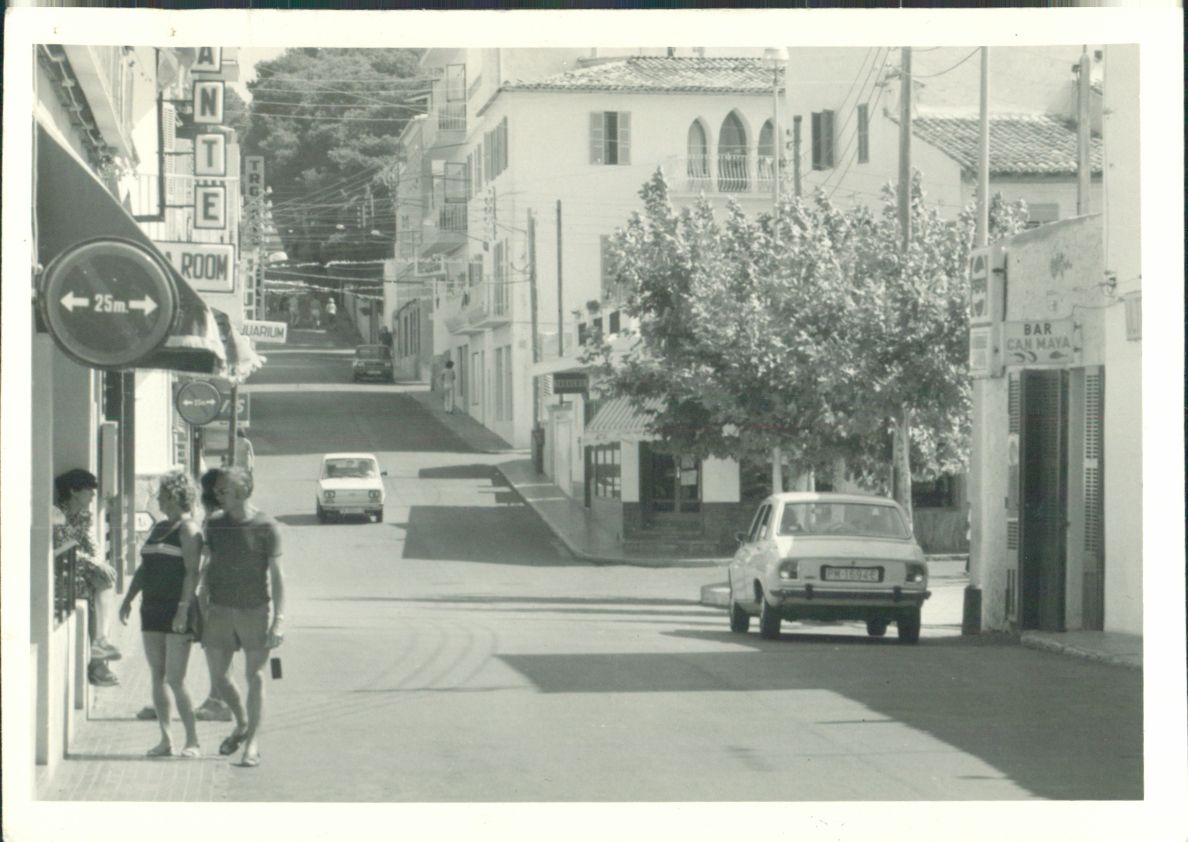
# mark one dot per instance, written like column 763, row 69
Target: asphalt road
column 455, row 652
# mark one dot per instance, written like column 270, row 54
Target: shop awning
column 73, row 206
column 618, row 420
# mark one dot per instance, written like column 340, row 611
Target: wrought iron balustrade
column 66, row 564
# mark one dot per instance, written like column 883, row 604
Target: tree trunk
column 903, row 462
column 777, row 470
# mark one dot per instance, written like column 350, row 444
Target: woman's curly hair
column 180, row 488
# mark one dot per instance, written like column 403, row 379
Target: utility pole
column 902, row 458
column 560, row 306
column 532, row 303
column 1083, row 134
column 983, row 231
column 905, row 146
column 777, row 148
column 971, row 612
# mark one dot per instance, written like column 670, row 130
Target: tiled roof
column 647, row 74
column 1020, row 144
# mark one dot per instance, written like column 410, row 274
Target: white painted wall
column 1123, row 441
column 154, row 422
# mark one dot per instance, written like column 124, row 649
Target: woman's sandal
column 190, row 751
column 251, row 760
column 159, row 751
column 229, row 745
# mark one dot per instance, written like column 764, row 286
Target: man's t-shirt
column 239, row 555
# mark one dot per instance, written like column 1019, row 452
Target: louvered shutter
column 503, row 146
column 1014, row 425
column 624, row 137
column 816, row 140
column 827, row 141
column 1093, row 611
column 169, row 135
column 597, row 138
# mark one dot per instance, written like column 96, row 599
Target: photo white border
column 1157, row 30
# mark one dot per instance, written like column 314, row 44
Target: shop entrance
column 1043, row 527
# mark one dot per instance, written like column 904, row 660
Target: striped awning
column 618, row 420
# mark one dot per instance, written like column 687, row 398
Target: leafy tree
column 819, row 336
column 327, row 122
column 740, row 333
column 912, row 323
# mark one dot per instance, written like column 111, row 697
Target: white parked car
column 350, row 484
column 820, row 556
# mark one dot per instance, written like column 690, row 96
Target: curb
column 1061, row 648
column 593, row 558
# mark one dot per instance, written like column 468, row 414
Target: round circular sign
column 198, row 402
column 108, row 303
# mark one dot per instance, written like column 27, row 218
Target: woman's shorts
column 234, row 628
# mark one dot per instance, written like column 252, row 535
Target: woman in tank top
column 166, row 578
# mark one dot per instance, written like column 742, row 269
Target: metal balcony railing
column 451, row 217
column 732, row 173
column 65, row 580
column 451, row 117
column 725, row 173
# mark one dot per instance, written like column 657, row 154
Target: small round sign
column 108, row 303
column 198, row 402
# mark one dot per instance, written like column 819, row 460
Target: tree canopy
column 327, row 122
column 817, row 335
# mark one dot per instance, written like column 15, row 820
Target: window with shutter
column 1014, row 424
column 503, row 145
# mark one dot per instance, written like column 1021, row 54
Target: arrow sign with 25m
column 198, row 402
column 108, row 303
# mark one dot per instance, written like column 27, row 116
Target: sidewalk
column 106, row 761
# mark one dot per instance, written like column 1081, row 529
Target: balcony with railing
column 446, row 125
column 490, row 305
column 105, row 77
column 723, row 174
column 445, row 228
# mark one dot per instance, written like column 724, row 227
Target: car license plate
column 852, row 574
column 353, row 510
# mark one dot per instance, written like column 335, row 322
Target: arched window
column 697, row 163
column 732, row 155
column 767, row 150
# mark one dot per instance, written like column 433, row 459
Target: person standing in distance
column 244, row 580
column 448, row 377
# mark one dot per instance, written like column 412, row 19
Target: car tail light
column 375, row 495
column 789, row 569
column 329, row 495
column 916, row 572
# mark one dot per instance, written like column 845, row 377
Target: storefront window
column 606, row 472
column 676, row 483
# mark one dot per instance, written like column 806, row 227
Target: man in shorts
column 242, row 584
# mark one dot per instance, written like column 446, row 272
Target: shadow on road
column 464, row 533
column 1059, row 727
column 476, row 471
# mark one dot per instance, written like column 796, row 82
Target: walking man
column 447, row 386
column 242, row 581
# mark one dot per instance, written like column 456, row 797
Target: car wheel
column 876, row 628
column 321, row 513
column 908, row 626
column 379, row 514
column 769, row 619
column 740, row 620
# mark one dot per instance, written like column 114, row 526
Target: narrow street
column 456, row 652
